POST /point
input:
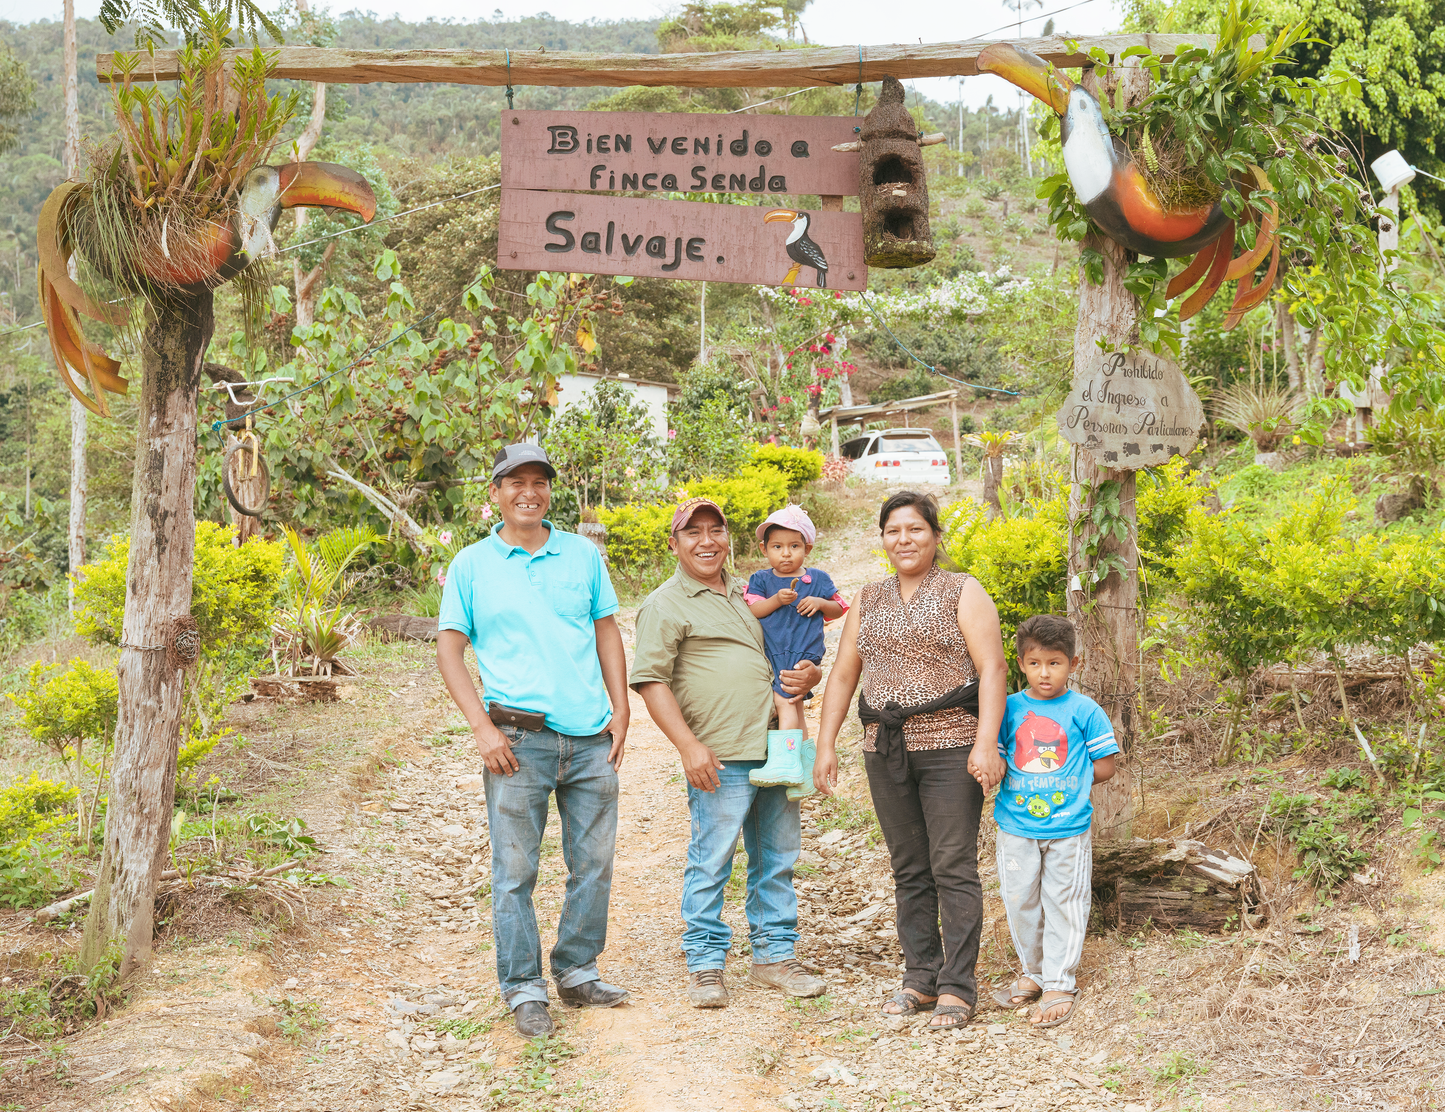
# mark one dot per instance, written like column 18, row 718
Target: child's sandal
column 1015, row 996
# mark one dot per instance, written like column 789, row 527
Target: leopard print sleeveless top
column 914, row 651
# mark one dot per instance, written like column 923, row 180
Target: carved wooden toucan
column 223, row 249
column 802, row 250
column 1119, row 199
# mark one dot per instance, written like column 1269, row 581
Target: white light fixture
column 1393, row 171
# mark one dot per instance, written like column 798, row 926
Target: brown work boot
column 790, row 977
column 706, row 989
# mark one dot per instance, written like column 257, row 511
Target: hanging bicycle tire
column 248, row 494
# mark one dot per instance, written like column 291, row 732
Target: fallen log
column 404, row 627
column 1176, row 885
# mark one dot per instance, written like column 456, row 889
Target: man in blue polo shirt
column 537, row 606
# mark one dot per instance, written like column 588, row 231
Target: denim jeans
column 772, row 835
column 576, row 769
column 931, row 826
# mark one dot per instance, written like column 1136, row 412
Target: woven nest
column 1164, row 163
column 183, row 646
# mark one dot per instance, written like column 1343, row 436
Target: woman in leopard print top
column 922, row 634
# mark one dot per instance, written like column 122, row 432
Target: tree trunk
column 992, row 480
column 308, row 285
column 1106, row 614
column 157, row 607
column 78, row 428
column 1289, row 339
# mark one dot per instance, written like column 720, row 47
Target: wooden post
column 957, row 440
column 1107, row 617
column 157, row 607
column 833, row 420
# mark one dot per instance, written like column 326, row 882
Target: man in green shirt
column 699, row 666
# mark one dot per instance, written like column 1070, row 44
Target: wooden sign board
column 682, row 152
column 687, row 240
column 1132, row 410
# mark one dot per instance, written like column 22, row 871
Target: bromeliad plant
column 315, row 625
column 178, row 199
column 1214, row 114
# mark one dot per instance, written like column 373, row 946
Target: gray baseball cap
column 514, row 455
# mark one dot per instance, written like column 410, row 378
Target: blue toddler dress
column 788, row 636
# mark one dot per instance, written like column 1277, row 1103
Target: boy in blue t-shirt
column 1058, row 745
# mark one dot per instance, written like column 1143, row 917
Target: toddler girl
column 792, row 601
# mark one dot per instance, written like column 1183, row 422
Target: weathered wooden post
column 159, row 639
column 1109, row 627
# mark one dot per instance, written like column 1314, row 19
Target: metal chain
column 509, row 78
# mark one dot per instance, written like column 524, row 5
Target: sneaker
column 790, row 977
column 706, row 989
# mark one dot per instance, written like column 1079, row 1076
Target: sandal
column 1014, row 996
column 909, row 1003
column 960, row 1014
column 1041, row 1007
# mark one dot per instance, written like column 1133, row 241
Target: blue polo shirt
column 529, row 616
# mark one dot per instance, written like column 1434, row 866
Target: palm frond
column 153, row 17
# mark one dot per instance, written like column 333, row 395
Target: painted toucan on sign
column 800, row 247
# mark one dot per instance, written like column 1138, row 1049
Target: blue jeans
column 772, row 835
column 576, row 769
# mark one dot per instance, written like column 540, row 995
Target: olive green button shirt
column 709, row 650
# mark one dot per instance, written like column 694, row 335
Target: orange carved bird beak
column 326, row 185
column 779, row 216
column 1029, row 72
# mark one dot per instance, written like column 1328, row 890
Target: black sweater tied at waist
column 891, row 716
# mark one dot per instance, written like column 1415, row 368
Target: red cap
column 685, row 510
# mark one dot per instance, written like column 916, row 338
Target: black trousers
column 930, row 824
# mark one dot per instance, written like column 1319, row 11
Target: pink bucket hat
column 792, row 517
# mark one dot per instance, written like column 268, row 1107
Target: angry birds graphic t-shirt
column 1050, row 746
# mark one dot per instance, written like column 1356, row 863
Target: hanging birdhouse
column 892, row 186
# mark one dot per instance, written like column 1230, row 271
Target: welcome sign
column 688, row 152
column 688, row 240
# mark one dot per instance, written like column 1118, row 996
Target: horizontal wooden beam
column 740, row 69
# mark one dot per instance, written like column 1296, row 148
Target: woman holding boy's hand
column 937, row 680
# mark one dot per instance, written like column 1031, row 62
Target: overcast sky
column 826, row 21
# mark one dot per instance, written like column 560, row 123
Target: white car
column 898, row 456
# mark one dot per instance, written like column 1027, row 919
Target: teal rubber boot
column 785, row 760
column 805, row 789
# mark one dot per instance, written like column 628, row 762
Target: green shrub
column 31, row 807
column 797, row 465
column 1164, row 498
column 1022, row 562
column 990, row 189
column 31, row 873
column 747, row 499
column 709, row 440
column 233, row 591
column 974, row 207
column 65, row 707
column 637, row 535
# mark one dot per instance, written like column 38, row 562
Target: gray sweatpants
column 1045, row 885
